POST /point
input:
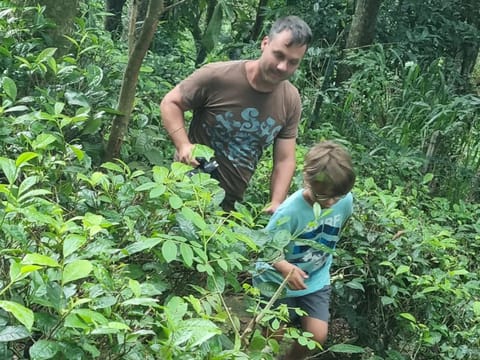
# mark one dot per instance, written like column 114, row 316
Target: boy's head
column 328, row 171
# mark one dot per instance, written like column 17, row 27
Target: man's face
column 279, row 61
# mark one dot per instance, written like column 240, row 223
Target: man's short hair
column 301, row 32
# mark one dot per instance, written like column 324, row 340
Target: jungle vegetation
column 109, row 251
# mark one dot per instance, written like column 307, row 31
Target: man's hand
column 296, row 280
column 184, row 155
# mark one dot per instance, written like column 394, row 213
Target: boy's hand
column 296, row 280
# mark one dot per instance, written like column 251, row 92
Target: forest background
column 109, row 251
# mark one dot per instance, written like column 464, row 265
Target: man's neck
column 254, row 77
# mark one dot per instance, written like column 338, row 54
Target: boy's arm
column 296, row 280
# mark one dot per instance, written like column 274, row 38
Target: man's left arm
column 283, row 170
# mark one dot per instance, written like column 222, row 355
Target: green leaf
column 346, row 349
column 187, row 254
column 169, row 250
column 387, row 300
column 75, row 270
column 25, row 158
column 157, row 191
column 44, row 349
column 476, row 308
column 43, row 140
column 402, row 269
column 214, row 28
column 76, row 98
column 72, row 243
column 20, row 312
column 18, row 272
column 200, row 150
column 9, row 169
column 409, row 317
column 194, row 217
column 9, row 88
column 39, row 259
column 175, row 201
column 151, row 302
column 13, row 333
column 143, row 244
column 134, row 285
column 355, row 284
column 45, row 54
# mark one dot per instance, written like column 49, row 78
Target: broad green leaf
column 10, row 88
column 476, row 308
column 214, row 28
column 58, row 108
column 43, row 140
column 402, row 269
column 176, row 308
column 79, row 153
column 44, row 349
column 76, row 98
column 346, row 349
column 146, row 186
column 16, row 108
column 169, row 250
column 409, row 317
column 134, row 285
column 90, row 316
column 75, row 270
column 143, row 244
column 9, row 169
column 45, row 54
column 355, row 284
column 387, row 300
column 175, row 201
column 157, row 191
column 25, row 158
column 20, row 312
column 113, row 167
column 151, row 302
column 39, row 259
column 187, row 254
column 200, row 150
column 72, row 243
column 195, row 332
column 113, row 327
column 194, row 217
column 13, row 333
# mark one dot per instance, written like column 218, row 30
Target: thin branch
column 173, row 5
column 270, row 303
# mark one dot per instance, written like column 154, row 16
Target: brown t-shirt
column 237, row 121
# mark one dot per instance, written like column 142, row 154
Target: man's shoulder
column 218, row 65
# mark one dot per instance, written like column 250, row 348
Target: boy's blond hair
column 329, row 166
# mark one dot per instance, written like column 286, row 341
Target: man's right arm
column 172, row 111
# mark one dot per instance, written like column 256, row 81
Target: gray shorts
column 316, row 304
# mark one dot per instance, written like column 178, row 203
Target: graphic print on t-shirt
column 237, row 138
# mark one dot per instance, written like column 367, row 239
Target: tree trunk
column 259, row 19
column 62, row 14
column 113, row 23
column 362, row 31
column 130, row 79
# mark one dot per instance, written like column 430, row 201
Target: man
column 242, row 107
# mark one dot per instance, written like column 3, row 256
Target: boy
column 328, row 179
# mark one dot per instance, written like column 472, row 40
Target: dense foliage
column 135, row 260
